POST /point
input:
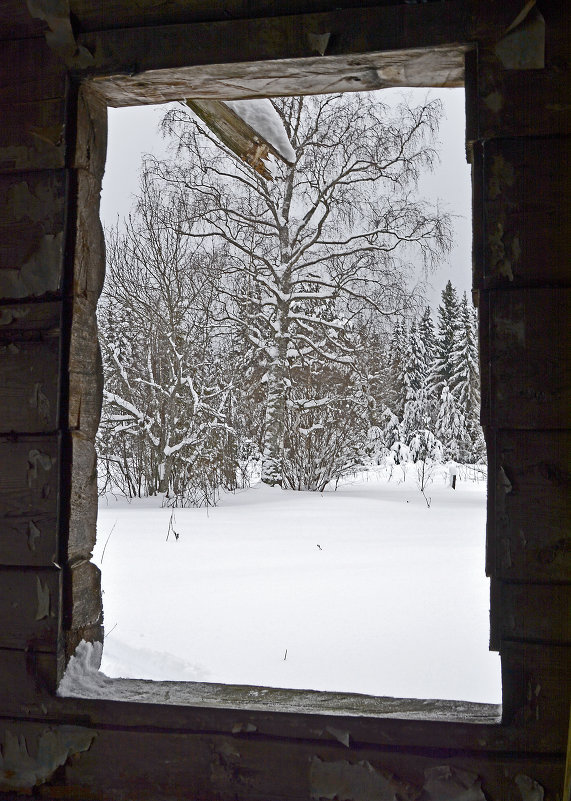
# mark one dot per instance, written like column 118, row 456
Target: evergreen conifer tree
column 448, row 316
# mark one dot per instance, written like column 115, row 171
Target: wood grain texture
column 32, row 135
column 540, row 613
column 536, row 682
column 32, row 206
column 30, row 608
column 529, row 506
column 529, row 350
column 29, row 681
column 153, row 766
column 40, row 74
column 353, row 31
column 527, row 212
column 30, row 368
column 28, row 477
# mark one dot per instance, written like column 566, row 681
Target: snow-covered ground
column 365, row 589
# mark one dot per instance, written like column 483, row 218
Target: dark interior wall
column 52, row 151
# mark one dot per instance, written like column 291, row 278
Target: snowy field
column 365, row 589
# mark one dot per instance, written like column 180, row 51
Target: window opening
column 372, row 581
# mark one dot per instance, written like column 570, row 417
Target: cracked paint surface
column 20, row 769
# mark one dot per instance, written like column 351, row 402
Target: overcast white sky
column 133, row 132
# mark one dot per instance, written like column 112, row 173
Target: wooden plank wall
column 519, row 135
column 33, row 202
column 52, row 151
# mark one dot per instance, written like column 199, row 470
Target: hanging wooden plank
column 529, row 507
column 247, row 144
column 529, row 358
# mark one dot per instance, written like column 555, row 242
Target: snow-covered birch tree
column 336, row 230
column 166, row 423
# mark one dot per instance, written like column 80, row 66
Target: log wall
column 210, row 743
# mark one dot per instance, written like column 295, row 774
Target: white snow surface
column 364, row 590
column 260, row 115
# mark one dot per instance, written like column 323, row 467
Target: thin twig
column 107, row 540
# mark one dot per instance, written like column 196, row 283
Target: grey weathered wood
column 311, row 75
column 528, row 373
column 536, row 681
column 31, row 233
column 521, row 609
column 221, row 767
column 29, row 680
column 526, row 241
column 239, row 137
column 529, row 506
column 353, row 31
column 30, row 367
column 30, row 608
column 28, row 477
column 33, row 136
column 40, row 74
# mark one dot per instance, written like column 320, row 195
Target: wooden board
column 32, row 206
column 40, row 74
column 540, row 613
column 153, row 766
column 529, row 507
column 30, row 607
column 29, row 681
column 29, row 481
column 529, row 351
column 536, row 681
column 30, row 367
column 527, row 212
column 32, row 135
column 352, row 31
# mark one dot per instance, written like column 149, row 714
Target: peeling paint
column 530, row 789
column 43, row 609
column 34, row 534
column 41, row 273
column 37, row 459
column 51, row 134
column 19, row 770
column 341, row 736
column 318, row 42
column 60, row 36
column 40, row 402
column 446, row 783
column 503, row 481
column 523, row 46
column 8, row 315
column 510, row 330
column 344, row 781
column 501, row 174
column 244, row 728
column 494, row 101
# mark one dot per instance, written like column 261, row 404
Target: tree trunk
column 273, row 445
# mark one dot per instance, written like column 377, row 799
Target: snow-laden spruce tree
column 335, row 231
column 166, row 421
column 448, row 314
column 465, row 380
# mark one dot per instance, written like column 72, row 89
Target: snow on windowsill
column 83, row 679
